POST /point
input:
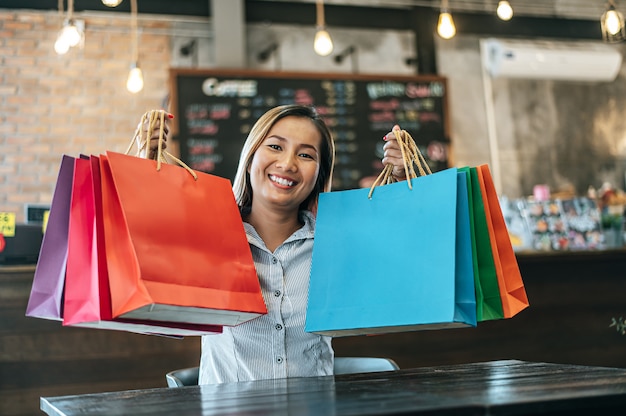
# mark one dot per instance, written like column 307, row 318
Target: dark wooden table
column 508, row 387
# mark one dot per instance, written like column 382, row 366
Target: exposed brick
column 14, row 25
column 54, row 105
column 20, row 100
column 19, row 61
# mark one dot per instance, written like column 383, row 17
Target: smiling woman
column 283, row 172
column 286, row 162
column 267, row 125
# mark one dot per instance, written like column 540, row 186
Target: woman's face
column 284, row 169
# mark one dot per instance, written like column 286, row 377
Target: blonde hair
column 241, row 184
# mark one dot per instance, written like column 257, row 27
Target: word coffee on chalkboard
column 215, row 111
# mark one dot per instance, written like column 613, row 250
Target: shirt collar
column 305, row 232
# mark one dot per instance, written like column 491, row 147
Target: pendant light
column 111, row 3
column 72, row 33
column 445, row 26
column 134, row 83
column 612, row 23
column 504, row 10
column 323, row 44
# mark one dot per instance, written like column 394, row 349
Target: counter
column 573, row 296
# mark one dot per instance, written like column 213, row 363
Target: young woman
column 286, row 162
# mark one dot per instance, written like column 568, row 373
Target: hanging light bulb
column 504, row 10
column 111, row 3
column 323, row 44
column 134, row 83
column 612, row 23
column 71, row 33
column 445, row 26
column 61, row 46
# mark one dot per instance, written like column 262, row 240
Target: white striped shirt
column 273, row 345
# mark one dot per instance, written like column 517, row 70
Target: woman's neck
column 273, row 227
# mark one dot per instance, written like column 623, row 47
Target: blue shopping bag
column 400, row 261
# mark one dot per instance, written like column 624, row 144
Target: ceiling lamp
column 111, row 3
column 612, row 23
column 134, row 83
column 72, row 33
column 323, row 44
column 504, row 10
column 445, row 26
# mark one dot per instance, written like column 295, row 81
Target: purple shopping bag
column 46, row 296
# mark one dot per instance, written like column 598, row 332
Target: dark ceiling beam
column 335, row 16
column 414, row 19
column 168, row 7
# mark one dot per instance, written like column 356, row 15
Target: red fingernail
column 170, row 115
column 385, row 137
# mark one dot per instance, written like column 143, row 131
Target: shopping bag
column 87, row 295
column 175, row 246
column 511, row 285
column 488, row 302
column 398, row 261
column 46, row 296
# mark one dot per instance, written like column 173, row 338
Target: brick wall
column 73, row 103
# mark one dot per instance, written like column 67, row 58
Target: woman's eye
column 306, row 155
column 274, row 146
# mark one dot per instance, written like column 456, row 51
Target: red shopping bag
column 512, row 291
column 175, row 246
column 87, row 295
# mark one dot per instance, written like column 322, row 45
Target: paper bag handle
column 411, row 155
column 152, row 117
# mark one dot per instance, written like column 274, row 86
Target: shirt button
column 277, row 293
column 274, row 260
column 278, row 327
column 279, row 360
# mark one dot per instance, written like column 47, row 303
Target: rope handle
column 142, row 141
column 411, row 156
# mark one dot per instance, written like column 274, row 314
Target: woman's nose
column 287, row 161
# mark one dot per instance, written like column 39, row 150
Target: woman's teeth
column 281, row 181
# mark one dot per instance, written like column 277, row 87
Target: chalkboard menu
column 215, row 110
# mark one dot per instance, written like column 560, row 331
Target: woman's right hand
column 393, row 155
column 153, row 136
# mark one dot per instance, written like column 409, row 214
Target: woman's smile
column 282, row 181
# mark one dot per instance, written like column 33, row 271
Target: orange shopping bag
column 512, row 291
column 87, row 297
column 175, row 246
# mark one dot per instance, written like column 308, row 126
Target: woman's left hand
column 393, row 155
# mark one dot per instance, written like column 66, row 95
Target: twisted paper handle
column 411, row 155
column 142, row 140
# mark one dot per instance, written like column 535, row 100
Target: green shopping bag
column 488, row 300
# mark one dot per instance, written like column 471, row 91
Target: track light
column 350, row 50
column 265, row 54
